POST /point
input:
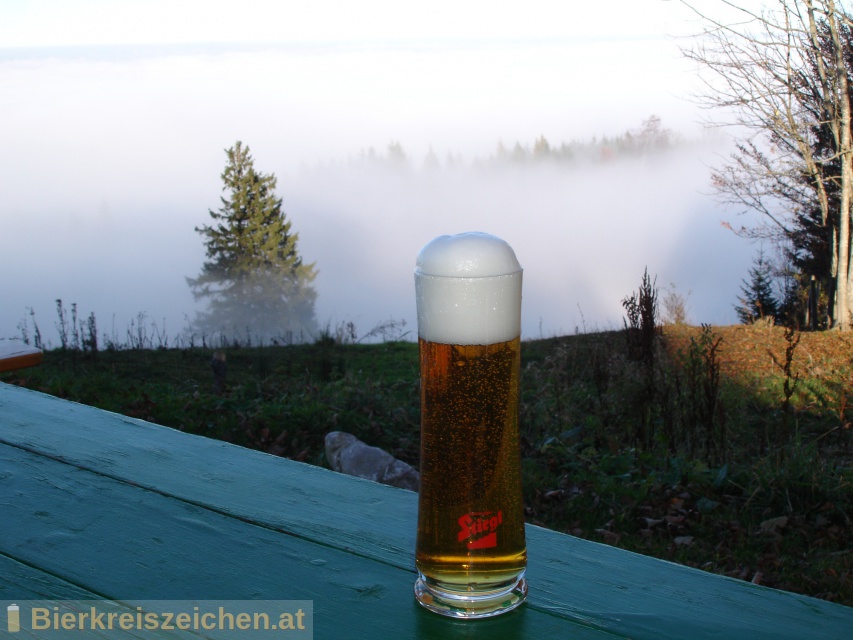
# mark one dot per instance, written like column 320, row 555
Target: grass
column 730, row 451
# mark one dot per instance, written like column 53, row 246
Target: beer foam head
column 468, row 255
column 468, row 290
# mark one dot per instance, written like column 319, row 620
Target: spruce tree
column 254, row 279
column 758, row 300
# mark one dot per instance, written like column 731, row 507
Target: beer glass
column 471, row 554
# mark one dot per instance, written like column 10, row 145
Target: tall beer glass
column 471, row 553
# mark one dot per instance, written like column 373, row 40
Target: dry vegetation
column 751, row 351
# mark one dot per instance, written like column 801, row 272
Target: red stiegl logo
column 479, row 529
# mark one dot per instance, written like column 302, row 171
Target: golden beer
column 471, row 553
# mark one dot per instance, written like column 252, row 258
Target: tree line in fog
column 649, row 138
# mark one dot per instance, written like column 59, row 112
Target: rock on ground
column 347, row 454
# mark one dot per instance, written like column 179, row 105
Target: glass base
column 470, row 604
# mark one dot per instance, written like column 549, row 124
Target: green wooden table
column 94, row 505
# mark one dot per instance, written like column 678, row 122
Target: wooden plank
column 253, row 485
column 19, row 581
column 97, row 535
column 18, row 356
column 597, row 585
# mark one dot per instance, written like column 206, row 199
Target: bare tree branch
column 782, row 75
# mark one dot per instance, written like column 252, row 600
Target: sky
column 114, row 118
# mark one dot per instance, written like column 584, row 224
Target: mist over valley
column 584, row 231
column 380, row 142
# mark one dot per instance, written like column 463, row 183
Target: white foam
column 468, row 290
column 471, row 254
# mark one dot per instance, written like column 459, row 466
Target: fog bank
column 113, row 155
column 583, row 233
column 584, row 236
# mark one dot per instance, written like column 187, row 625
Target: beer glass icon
column 13, row 618
column 471, row 553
